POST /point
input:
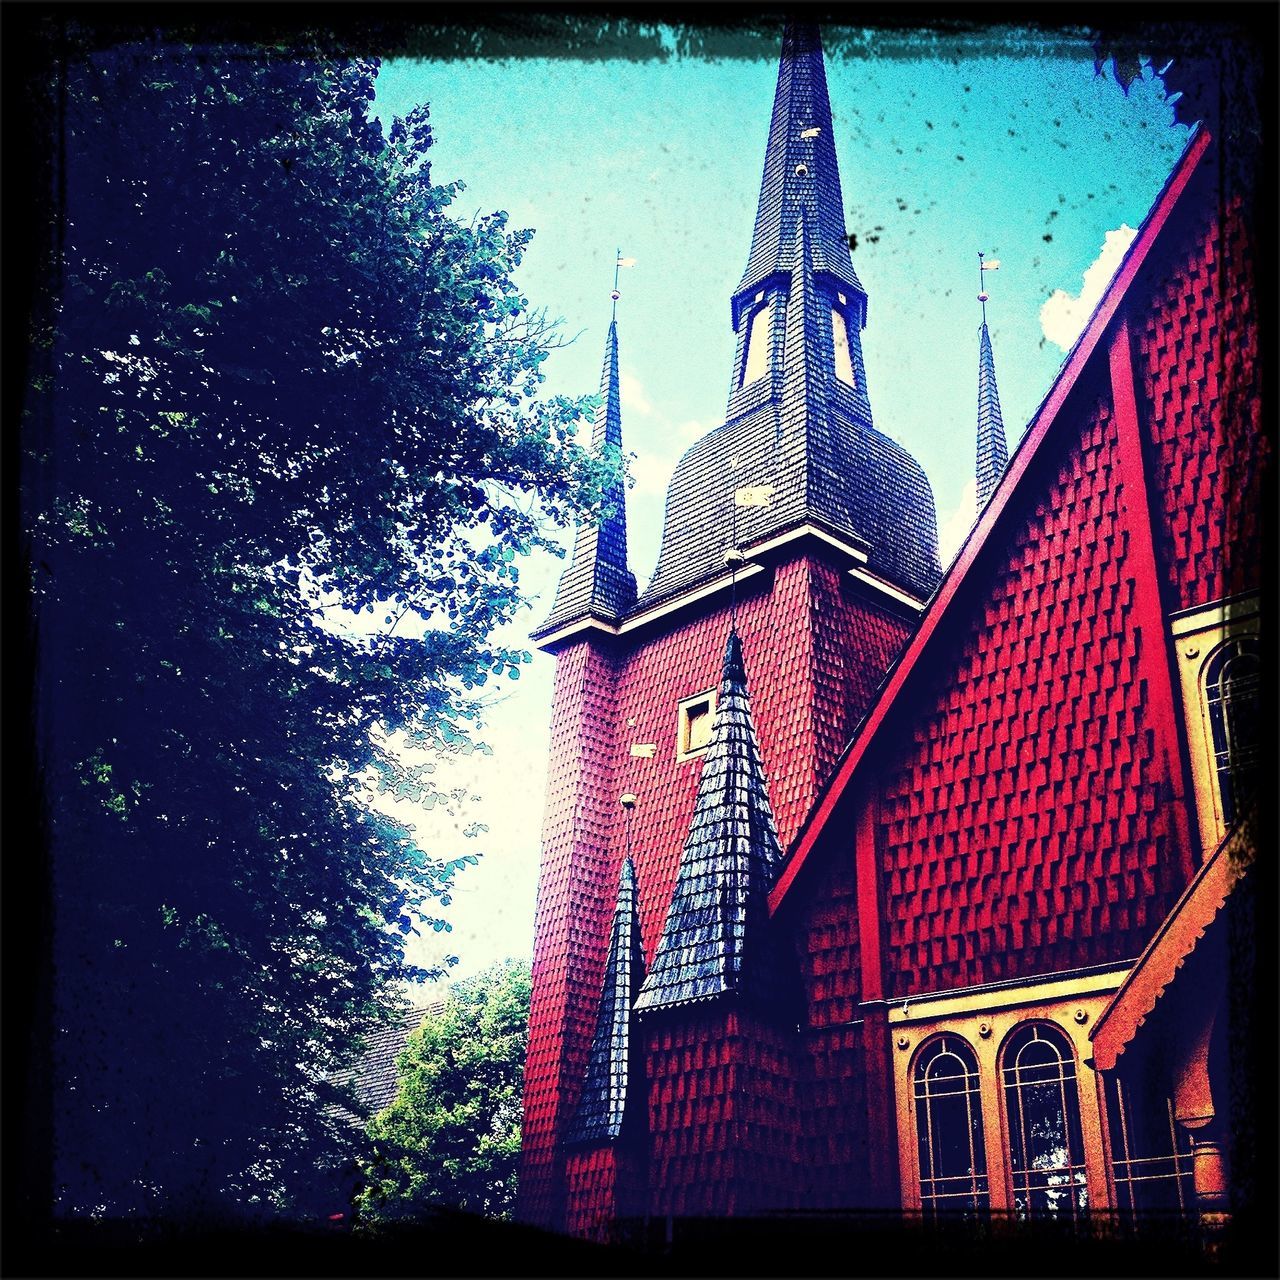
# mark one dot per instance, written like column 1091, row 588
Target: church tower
column 799, row 545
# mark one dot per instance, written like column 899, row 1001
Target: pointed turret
column 800, row 173
column 799, row 413
column 993, row 449
column 603, row 1101
column 597, row 583
column 714, row 940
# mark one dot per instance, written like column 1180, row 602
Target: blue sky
column 1002, row 142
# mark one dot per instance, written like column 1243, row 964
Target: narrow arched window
column 1042, row 1105
column 756, row 358
column 1233, row 691
column 840, row 340
column 953, row 1159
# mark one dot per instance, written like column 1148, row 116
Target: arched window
column 840, row 340
column 1233, row 690
column 953, row 1159
column 1042, row 1105
column 1150, row 1152
column 756, row 360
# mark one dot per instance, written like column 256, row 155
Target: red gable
column 1076, row 524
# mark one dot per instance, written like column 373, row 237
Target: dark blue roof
column 597, row 582
column 800, row 171
column 603, row 1101
column 715, row 938
column 993, row 448
column 804, row 424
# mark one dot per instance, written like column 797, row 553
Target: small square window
column 693, row 730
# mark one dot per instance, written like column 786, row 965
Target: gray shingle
column 993, row 448
column 799, row 427
column 610, row 1060
column 597, row 582
column 716, row 935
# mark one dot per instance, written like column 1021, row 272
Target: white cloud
column 954, row 526
column 634, row 397
column 1064, row 316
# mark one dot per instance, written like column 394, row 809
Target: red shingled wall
column 723, row 1112
column 1025, row 825
column 815, row 649
column 591, row 1178
column 814, row 652
column 576, row 893
column 1196, row 361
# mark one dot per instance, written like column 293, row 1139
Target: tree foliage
column 452, row 1136
column 277, row 384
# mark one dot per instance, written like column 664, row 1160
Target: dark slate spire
column 597, row 582
column 993, row 449
column 799, row 412
column 800, row 173
column 714, row 939
column 609, row 1061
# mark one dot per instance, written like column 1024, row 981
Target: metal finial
column 617, row 266
column 982, row 287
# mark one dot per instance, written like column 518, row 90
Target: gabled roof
column 1177, row 937
column 597, row 582
column 714, row 939
column 603, row 1101
column 930, row 633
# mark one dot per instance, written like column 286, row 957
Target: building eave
column 1177, row 937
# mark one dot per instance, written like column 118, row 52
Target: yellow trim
column 683, row 707
column 1198, row 634
column 1003, row 1012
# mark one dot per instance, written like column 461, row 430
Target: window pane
column 1046, row 1150
column 953, row 1161
column 840, row 336
column 699, row 726
column 1150, row 1151
column 757, row 360
column 1233, row 689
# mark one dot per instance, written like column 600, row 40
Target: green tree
column 276, row 386
column 452, row 1136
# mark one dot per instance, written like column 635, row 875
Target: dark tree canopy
column 274, row 380
column 451, row 1139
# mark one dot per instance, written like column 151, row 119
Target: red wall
column 1196, row 352
column 815, row 647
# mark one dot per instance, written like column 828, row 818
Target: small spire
column 993, row 448
column 715, row 938
column 598, row 582
column 602, row 1104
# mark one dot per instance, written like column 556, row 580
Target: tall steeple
column 607, row 1085
column 597, row 583
column 714, row 940
column 993, row 448
column 799, row 414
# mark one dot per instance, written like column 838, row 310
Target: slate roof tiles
column 603, row 1101
column 714, row 939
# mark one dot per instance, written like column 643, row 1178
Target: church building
column 870, row 885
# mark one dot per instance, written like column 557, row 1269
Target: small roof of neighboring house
column 372, row 1078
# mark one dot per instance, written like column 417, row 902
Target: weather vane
column 983, row 295
column 618, row 263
